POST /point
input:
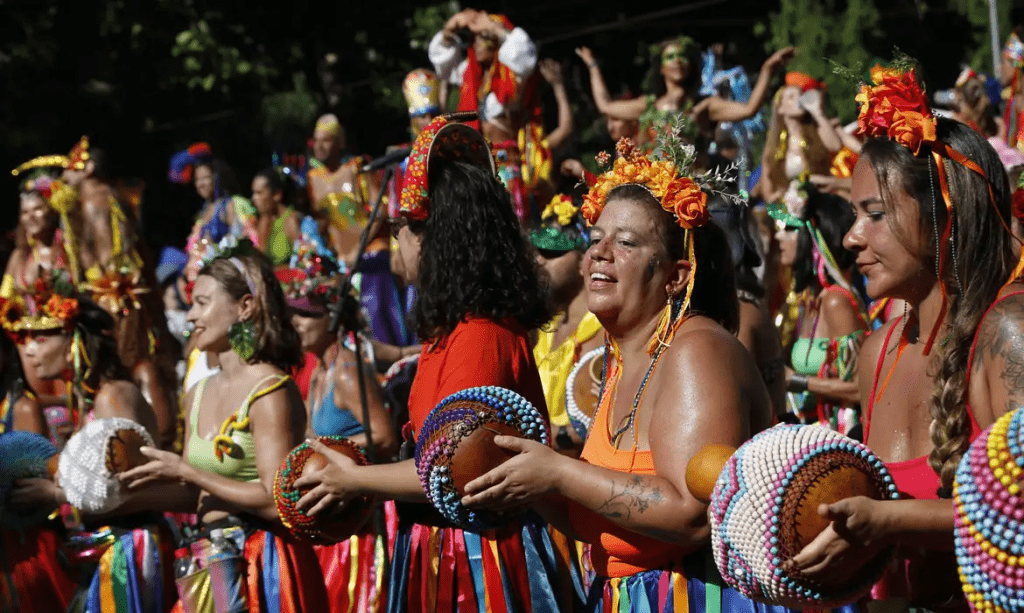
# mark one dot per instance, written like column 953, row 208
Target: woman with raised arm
column 931, row 200
column 241, row 422
column 478, row 299
column 660, row 280
column 674, row 83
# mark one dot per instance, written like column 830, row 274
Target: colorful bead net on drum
column 762, row 493
column 989, row 510
column 452, row 421
column 286, row 496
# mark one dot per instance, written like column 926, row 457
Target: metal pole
column 993, row 22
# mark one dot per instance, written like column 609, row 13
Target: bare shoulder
column 705, row 345
column 116, row 396
column 1001, row 333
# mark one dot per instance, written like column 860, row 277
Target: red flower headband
column 895, row 106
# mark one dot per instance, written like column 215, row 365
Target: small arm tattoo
column 636, row 494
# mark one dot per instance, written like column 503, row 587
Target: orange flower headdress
column 667, row 174
column 894, row 106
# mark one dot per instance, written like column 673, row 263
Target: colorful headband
column 686, row 46
column 183, row 163
column 804, row 81
column 45, row 161
column 228, row 248
column 51, row 306
column 328, row 123
column 309, row 282
column 564, row 231
column 445, row 138
column 421, row 92
column 894, row 106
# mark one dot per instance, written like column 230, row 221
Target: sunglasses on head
column 673, row 56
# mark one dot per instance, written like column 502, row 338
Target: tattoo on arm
column 623, row 499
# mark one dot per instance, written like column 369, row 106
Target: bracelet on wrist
column 592, row 65
column 798, row 383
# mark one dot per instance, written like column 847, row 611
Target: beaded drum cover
column 93, row 458
column 456, row 445
column 23, row 455
column 580, row 399
column 324, row 527
column 763, row 511
column 989, row 510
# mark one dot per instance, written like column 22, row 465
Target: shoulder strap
column 878, row 374
column 255, row 393
column 194, row 416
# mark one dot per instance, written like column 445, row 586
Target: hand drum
column 93, row 458
column 23, row 455
column 581, row 397
column 763, row 509
column 456, row 445
column 324, row 527
column 990, row 517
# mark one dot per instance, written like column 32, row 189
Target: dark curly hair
column 278, row 342
column 474, row 259
column 833, row 216
column 714, row 284
column 985, row 259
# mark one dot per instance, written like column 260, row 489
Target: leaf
column 208, row 81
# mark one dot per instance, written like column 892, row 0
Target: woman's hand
column 586, row 55
column 519, row 480
column 163, row 466
column 33, row 494
column 551, row 70
column 858, row 531
column 331, row 484
column 778, row 59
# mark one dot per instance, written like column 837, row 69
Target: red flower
column 893, row 94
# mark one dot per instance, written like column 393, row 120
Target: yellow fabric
column 555, row 364
column 7, row 287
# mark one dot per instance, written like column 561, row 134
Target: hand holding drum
column 95, row 456
column 456, row 445
column 763, row 509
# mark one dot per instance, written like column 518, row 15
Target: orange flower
column 911, row 129
column 64, row 309
column 687, row 202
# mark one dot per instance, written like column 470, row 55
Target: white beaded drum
column 580, row 397
column 763, row 511
column 93, row 458
column 989, row 510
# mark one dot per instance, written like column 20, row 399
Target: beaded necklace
column 631, row 421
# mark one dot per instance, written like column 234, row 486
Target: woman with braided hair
column 932, row 202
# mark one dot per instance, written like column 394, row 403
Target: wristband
column 591, row 64
column 798, row 383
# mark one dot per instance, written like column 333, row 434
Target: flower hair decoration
column 563, row 228
column 894, row 106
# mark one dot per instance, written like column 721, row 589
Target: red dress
column 438, row 567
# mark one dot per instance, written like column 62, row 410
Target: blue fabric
column 329, row 420
column 475, row 553
column 382, row 302
column 271, row 582
column 398, row 583
column 217, row 228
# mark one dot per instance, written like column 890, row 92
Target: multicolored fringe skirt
column 693, row 587
column 518, row 567
column 34, row 580
column 354, row 569
column 508, row 159
column 132, row 569
column 273, row 574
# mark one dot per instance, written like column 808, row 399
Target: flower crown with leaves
column 229, row 248
column 894, row 106
column 563, row 228
column 52, row 305
column 312, row 272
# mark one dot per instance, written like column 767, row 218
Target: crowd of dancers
column 866, row 279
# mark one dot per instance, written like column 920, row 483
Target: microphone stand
column 345, row 318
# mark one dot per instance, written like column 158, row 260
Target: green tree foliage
column 826, row 30
column 976, row 13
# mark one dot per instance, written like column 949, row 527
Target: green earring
column 242, row 336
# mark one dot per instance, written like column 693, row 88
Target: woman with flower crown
column 932, row 202
column 72, row 340
column 241, row 423
column 478, row 299
column 660, row 280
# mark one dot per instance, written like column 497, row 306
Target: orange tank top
column 616, row 551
